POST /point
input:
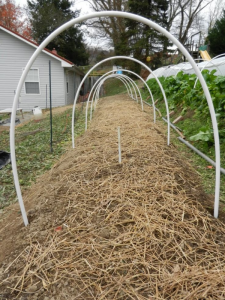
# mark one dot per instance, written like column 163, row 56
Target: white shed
column 15, row 51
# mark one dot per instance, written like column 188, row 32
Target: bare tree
column 184, row 15
column 215, row 12
column 97, row 54
column 110, row 28
column 184, row 19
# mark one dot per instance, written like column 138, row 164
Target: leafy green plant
column 205, row 134
column 188, row 100
column 196, row 125
column 182, row 96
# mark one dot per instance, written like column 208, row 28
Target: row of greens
column 188, row 100
column 184, row 98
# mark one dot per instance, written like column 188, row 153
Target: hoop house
column 132, row 59
column 121, row 77
column 135, row 18
column 128, row 71
column 96, row 88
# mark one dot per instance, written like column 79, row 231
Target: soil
column 100, row 229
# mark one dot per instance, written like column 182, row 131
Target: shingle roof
column 34, row 44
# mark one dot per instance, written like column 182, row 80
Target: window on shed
column 67, row 83
column 32, row 85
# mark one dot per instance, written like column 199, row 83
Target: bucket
column 37, row 113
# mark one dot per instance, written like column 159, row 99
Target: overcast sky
column 21, row 2
column 84, row 7
column 80, row 4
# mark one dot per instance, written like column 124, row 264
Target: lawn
column 33, row 152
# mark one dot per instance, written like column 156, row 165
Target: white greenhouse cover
column 217, row 64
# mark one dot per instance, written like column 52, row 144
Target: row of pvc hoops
column 138, row 19
column 153, row 75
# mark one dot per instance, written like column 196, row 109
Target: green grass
column 4, row 117
column 33, row 153
column 114, row 86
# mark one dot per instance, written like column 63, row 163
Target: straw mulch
column 104, row 230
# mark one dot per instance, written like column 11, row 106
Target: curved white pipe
column 123, row 77
column 153, row 102
column 92, row 89
column 133, row 83
column 132, row 59
column 120, row 77
column 135, row 18
column 208, row 62
column 96, row 83
column 130, row 86
column 128, row 71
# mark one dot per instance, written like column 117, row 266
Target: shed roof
column 64, row 62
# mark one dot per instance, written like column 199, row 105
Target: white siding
column 14, row 55
column 71, row 81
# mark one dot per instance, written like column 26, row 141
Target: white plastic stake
column 119, row 145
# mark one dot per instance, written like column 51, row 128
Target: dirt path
column 103, row 230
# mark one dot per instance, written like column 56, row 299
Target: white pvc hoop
column 128, row 79
column 128, row 71
column 153, row 103
column 132, row 59
column 96, row 94
column 138, row 19
column 92, row 89
column 129, row 91
column 118, row 76
column 208, row 62
column 96, row 91
column 133, row 84
column 121, row 77
column 129, row 84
